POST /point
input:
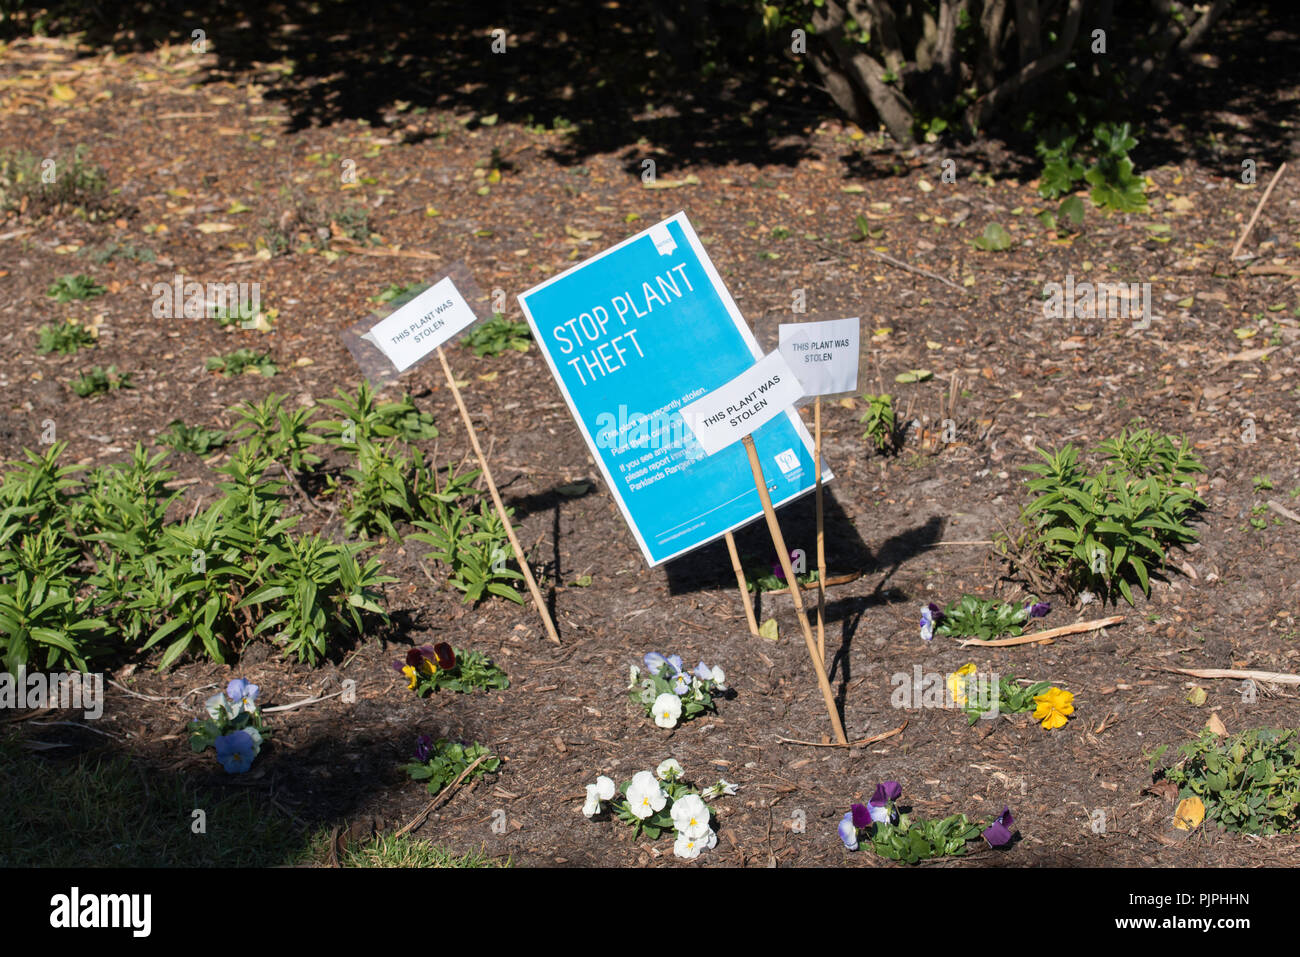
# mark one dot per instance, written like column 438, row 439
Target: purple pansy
column 243, row 692
column 423, row 748
column 881, row 805
column 1038, row 609
column 998, row 834
column 931, row 615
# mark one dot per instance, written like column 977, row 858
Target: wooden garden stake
column 745, row 598
column 538, row 602
column 821, row 538
column 783, row 553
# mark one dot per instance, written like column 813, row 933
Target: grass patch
column 404, row 851
column 39, row 186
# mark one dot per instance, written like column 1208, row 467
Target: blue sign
column 633, row 334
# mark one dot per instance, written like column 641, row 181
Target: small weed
column 74, row 287
column 99, row 380
column 64, row 338
column 242, row 360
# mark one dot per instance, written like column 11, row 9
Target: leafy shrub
column 283, row 433
column 498, row 334
column 367, row 419
column 473, row 546
column 981, row 618
column 1104, row 530
column 1114, row 184
column 64, row 338
column 1249, row 782
column 70, row 287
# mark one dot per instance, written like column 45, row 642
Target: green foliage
column 191, row 585
column 881, row 422
column 113, row 250
column 473, row 546
column 1110, row 174
column 473, row 671
column 64, row 338
column 448, row 760
column 316, row 588
column 496, row 335
column 385, row 489
column 191, row 438
column 1013, row 698
column 982, row 618
column 365, row 419
column 70, row 287
column 1249, row 782
column 760, row 577
column 394, row 291
column 235, row 314
column 995, row 239
column 1104, row 530
column 78, row 186
column 99, row 380
column 283, row 433
column 242, row 360
column 913, row 841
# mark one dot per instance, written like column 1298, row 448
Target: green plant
column 445, row 761
column 70, row 287
column 242, row 360
column 284, row 433
column 911, row 841
column 234, row 314
column 114, row 250
column 1114, row 184
column 1249, row 782
column 99, row 380
column 1013, row 698
column 394, row 291
column 36, row 185
column 455, row 669
column 365, row 419
column 474, row 548
column 1106, row 529
column 191, row 438
column 315, row 588
column 882, row 425
column 994, row 239
column 385, row 489
column 496, row 335
column 983, row 618
column 64, row 337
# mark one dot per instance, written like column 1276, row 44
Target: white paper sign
column 824, row 355
column 426, row 322
column 735, row 409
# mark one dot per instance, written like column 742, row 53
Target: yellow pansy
column 1054, row 707
column 957, row 683
column 410, row 673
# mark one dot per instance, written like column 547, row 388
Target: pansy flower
column 243, row 693
column 849, row 831
column 931, row 615
column 236, row 751
column 1037, row 609
column 881, row 805
column 999, row 833
column 957, row 683
column 1054, row 708
column 423, row 748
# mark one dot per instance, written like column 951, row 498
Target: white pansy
column 605, row 788
column 633, row 674
column 691, row 816
column 681, row 684
column 667, row 709
column 719, row 678
column 592, row 807
column 670, row 765
column 689, row 847
column 645, row 796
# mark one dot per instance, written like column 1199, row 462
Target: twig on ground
column 1259, row 208
column 445, row 793
column 1074, row 629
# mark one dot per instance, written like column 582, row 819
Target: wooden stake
column 1258, row 209
column 538, row 601
column 783, row 554
column 821, row 538
column 745, row 598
